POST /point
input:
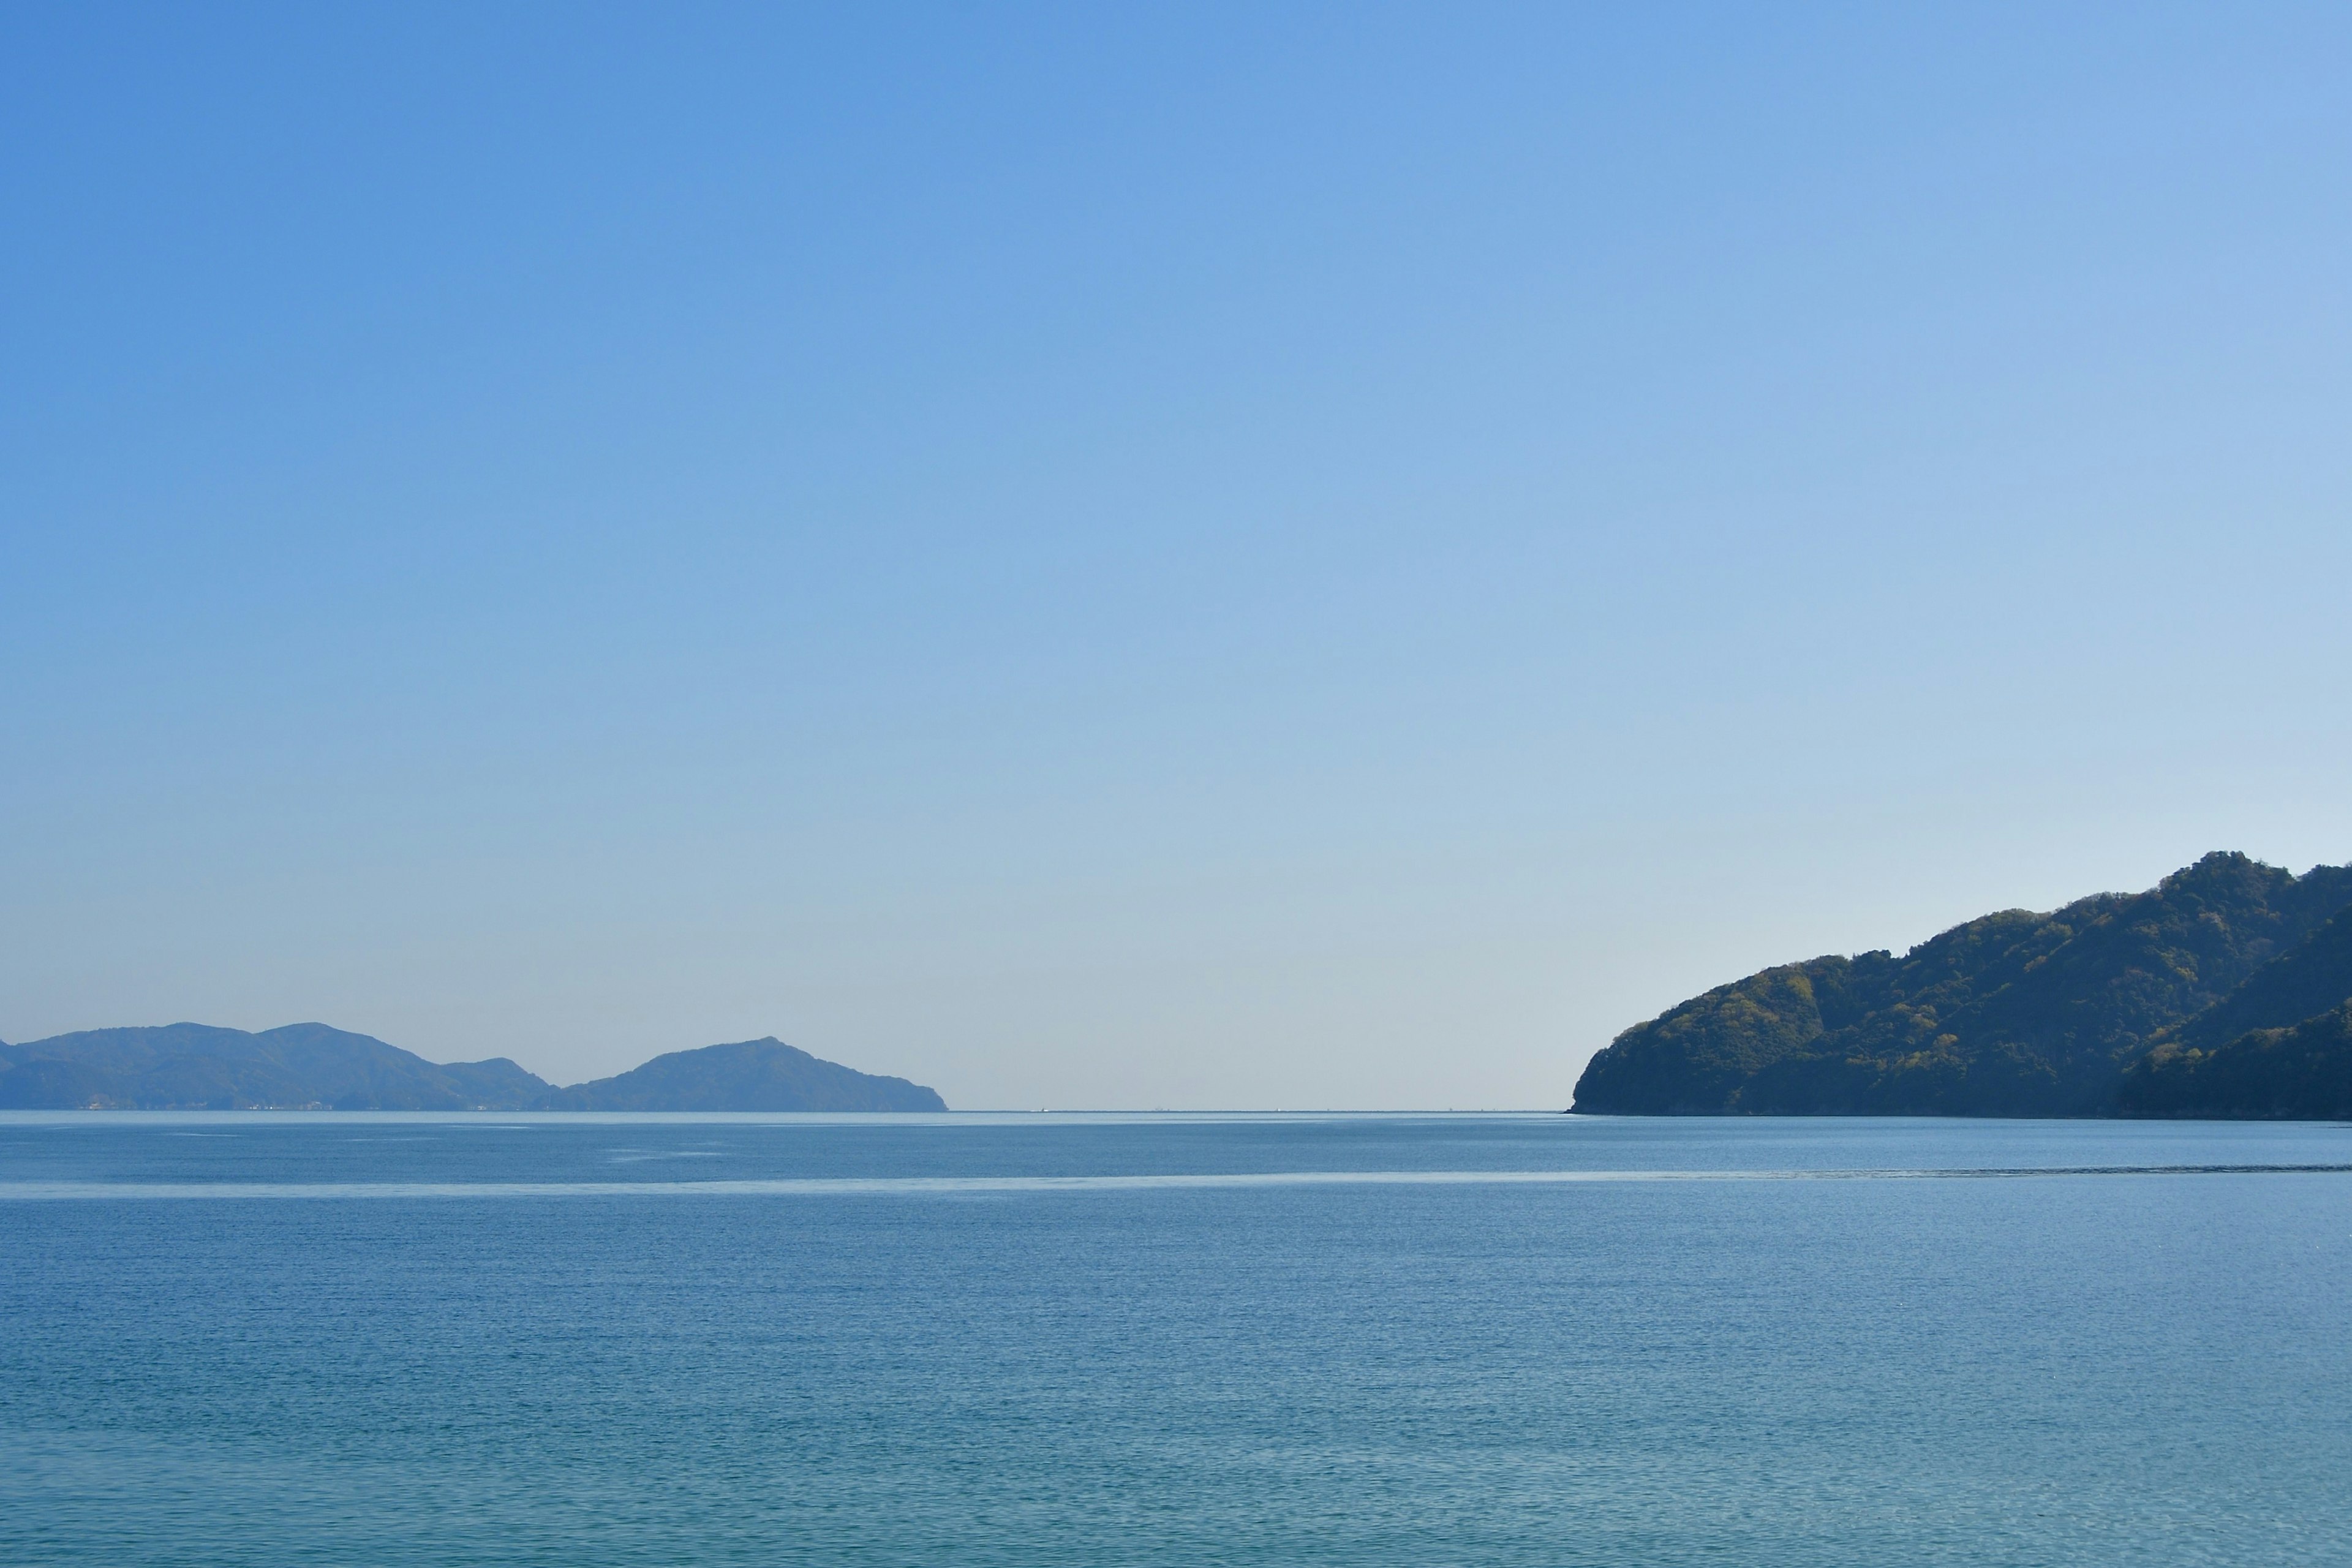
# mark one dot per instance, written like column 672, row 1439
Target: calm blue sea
column 1099, row 1340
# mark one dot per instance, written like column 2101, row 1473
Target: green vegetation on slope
column 2302, row 1072
column 2016, row 1014
column 2275, row 1047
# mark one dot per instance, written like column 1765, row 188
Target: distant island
column 2223, row 992
column 194, row 1066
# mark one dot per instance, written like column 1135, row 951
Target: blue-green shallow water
column 1041, row 1340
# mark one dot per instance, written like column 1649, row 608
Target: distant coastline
column 312, row 1067
column 2225, row 991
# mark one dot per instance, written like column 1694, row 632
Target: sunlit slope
column 2015, row 1014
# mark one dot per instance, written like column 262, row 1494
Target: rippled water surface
column 1051, row 1340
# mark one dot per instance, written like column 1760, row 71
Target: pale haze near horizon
column 1210, row 557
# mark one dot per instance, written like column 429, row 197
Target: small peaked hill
column 749, row 1074
column 196, row 1066
column 2015, row 1014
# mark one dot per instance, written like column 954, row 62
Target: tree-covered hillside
column 2015, row 1014
column 2278, row 1046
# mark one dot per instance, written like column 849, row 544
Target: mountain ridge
column 315, row 1066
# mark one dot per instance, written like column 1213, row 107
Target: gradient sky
column 1126, row 556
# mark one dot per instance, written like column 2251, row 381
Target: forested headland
column 2224, row 991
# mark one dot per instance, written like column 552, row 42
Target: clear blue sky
column 1130, row 557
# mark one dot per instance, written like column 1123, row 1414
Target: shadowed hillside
column 2276, row 1047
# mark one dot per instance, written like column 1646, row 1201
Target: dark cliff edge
column 196, row 1066
column 2218, row 993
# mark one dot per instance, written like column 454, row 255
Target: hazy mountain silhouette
column 196, row 1066
column 310, row 1066
column 750, row 1075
